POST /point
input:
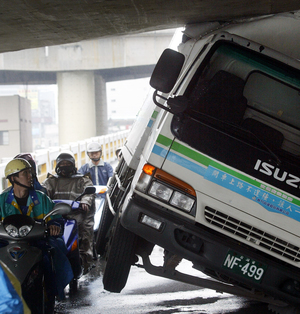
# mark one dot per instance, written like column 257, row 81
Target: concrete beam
column 30, row 23
column 105, row 53
column 109, row 75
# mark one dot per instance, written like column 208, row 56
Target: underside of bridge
column 40, row 23
column 37, row 23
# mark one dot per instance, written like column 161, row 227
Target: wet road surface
column 145, row 293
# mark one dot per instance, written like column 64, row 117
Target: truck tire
column 120, row 257
column 105, row 223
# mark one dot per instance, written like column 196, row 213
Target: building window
column 4, row 140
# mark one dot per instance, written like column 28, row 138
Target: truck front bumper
column 206, row 248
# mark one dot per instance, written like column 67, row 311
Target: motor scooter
column 71, row 231
column 71, row 238
column 99, row 202
column 25, row 261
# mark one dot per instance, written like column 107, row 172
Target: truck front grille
column 252, row 234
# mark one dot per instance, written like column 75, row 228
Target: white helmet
column 94, row 147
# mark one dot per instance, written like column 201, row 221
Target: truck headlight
column 167, row 188
column 160, row 191
column 182, row 201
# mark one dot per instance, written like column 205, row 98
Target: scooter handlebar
column 73, row 204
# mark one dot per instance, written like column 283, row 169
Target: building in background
column 44, row 116
column 124, row 100
column 15, row 126
column 44, row 120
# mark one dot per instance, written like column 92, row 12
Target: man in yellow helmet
column 21, row 198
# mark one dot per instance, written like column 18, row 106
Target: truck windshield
column 269, row 86
column 242, row 105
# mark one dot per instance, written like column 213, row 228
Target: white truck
column 210, row 171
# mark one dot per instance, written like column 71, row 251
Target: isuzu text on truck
column 210, row 171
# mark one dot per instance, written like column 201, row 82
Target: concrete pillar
column 76, row 106
column 101, row 105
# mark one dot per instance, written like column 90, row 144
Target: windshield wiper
column 237, row 127
column 277, row 159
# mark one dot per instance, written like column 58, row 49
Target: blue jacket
column 10, row 300
column 100, row 173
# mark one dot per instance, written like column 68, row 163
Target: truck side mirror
column 167, row 70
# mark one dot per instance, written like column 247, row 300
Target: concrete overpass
column 32, row 23
column 81, row 71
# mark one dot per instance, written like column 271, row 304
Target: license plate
column 244, row 266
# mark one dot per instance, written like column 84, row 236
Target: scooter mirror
column 89, row 190
column 60, row 209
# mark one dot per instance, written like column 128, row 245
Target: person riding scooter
column 99, row 170
column 22, row 199
column 68, row 185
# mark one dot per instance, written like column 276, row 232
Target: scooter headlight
column 14, row 232
column 24, row 230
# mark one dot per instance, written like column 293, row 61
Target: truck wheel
column 120, row 257
column 105, row 222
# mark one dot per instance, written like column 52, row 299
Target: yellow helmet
column 15, row 166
